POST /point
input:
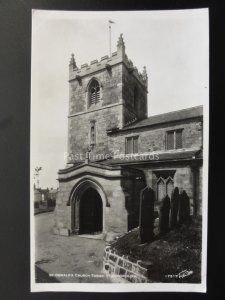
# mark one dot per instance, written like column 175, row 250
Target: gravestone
column 174, row 207
column 164, row 215
column 146, row 217
column 184, row 207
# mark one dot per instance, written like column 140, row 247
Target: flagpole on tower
column 110, row 22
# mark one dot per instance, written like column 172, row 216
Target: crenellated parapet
column 107, row 62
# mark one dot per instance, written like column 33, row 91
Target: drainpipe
column 194, row 170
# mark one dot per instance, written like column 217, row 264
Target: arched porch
column 88, row 202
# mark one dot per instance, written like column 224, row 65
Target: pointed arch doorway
column 88, row 204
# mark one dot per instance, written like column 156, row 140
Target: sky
column 173, row 45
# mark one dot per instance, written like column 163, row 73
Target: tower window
column 174, row 139
column 92, row 133
column 94, row 92
column 132, row 145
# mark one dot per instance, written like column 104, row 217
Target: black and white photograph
column 119, row 150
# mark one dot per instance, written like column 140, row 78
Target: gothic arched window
column 94, row 92
column 169, row 186
column 161, row 189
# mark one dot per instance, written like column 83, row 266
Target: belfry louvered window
column 94, row 93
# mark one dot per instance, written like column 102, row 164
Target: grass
column 170, row 254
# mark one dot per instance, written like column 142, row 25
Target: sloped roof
column 172, row 116
column 162, row 157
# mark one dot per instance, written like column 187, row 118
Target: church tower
column 106, row 95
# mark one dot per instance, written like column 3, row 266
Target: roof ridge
column 182, row 114
column 173, row 111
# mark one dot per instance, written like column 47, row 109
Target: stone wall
column 110, row 90
column 134, row 96
column 183, row 179
column 199, row 190
column 79, row 130
column 154, row 138
column 182, row 175
column 117, row 194
column 131, row 190
column 123, row 98
column 114, row 217
column 122, row 269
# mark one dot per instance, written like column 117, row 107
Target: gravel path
column 66, row 259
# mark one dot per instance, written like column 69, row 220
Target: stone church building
column 115, row 149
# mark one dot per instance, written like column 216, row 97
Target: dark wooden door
column 90, row 212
